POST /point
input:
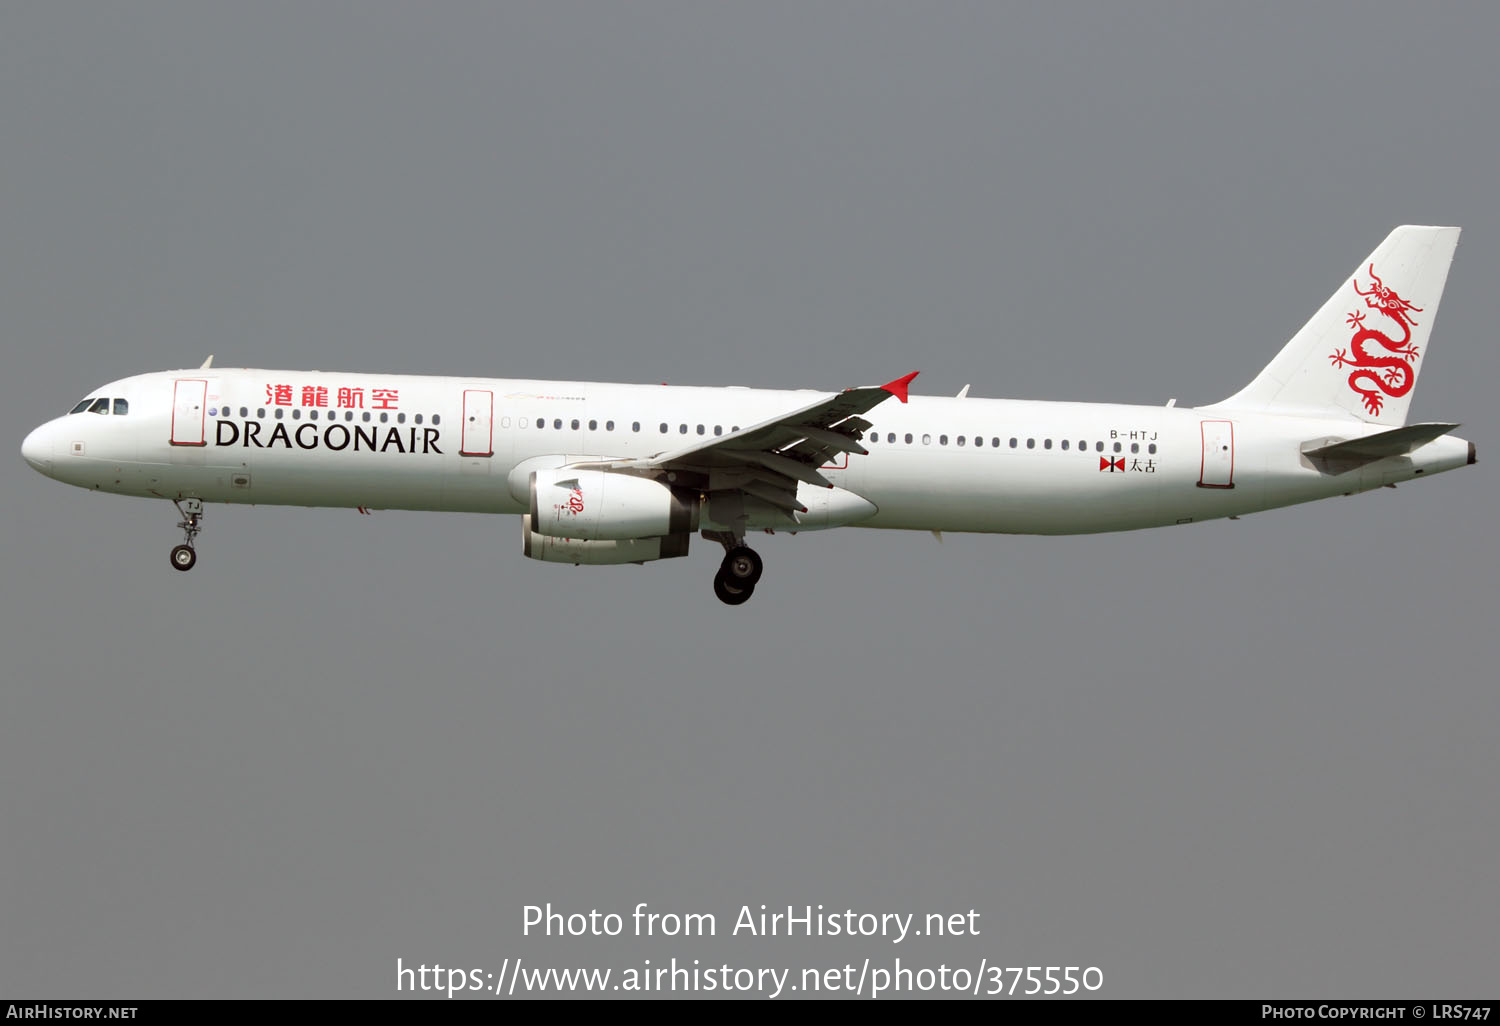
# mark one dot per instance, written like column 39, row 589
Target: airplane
column 628, row 473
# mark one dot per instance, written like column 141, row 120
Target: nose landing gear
column 735, row 582
column 184, row 556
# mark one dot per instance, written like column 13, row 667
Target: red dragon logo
column 574, row 505
column 1393, row 375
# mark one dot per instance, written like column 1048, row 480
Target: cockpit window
column 100, row 406
column 121, row 407
column 82, row 406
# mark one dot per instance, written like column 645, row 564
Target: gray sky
column 1233, row 760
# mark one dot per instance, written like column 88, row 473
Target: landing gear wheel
column 184, row 556
column 742, row 567
column 732, row 594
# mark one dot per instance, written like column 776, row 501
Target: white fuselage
column 934, row 464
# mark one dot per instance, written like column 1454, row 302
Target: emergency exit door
column 479, row 416
column 1217, row 470
column 189, row 396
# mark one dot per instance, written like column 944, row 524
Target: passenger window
column 364, row 416
column 297, row 413
column 942, row 439
column 960, row 439
column 664, row 429
column 280, row 412
column 385, row 418
column 609, row 425
column 926, row 439
column 261, row 412
column 1047, row 443
column 436, row 419
column 82, row 406
column 635, row 425
column 1151, row 448
column 1098, row 446
column 908, row 438
column 996, row 442
column 100, row 406
column 417, row 419
column 1117, row 447
column 1135, row 446
column 1012, row 443
column 1065, row 445
column 541, row 422
column 1031, row 443
column 682, row 429
column 504, row 421
column 891, row 437
column 122, row 408
column 593, row 425
column 557, row 423
column 700, row 429
column 574, row 425
column 718, row 430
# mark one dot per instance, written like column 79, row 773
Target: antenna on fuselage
column 207, row 363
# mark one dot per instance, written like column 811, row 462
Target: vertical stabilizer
column 1361, row 353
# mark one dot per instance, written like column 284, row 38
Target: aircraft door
column 1217, row 470
column 189, row 396
column 478, row 427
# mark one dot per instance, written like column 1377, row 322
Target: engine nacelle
column 597, row 505
column 602, row 552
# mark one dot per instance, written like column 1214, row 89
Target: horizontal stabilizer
column 1342, row 457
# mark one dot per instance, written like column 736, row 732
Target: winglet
column 898, row 387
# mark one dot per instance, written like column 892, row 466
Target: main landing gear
column 184, row 556
column 741, row 569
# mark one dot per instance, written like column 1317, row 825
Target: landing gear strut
column 738, row 574
column 184, row 556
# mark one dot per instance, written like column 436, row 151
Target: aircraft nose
column 37, row 449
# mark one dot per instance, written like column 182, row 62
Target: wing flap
column 778, row 497
column 838, row 441
column 781, row 465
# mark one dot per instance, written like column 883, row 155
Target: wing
column 768, row 460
